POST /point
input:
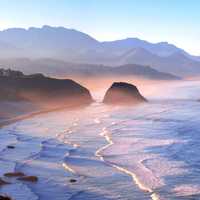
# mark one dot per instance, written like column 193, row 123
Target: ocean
column 100, row 152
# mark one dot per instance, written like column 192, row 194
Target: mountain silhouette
column 74, row 46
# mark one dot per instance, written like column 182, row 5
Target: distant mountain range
column 76, row 47
column 52, row 67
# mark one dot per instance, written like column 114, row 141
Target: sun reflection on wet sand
column 68, row 168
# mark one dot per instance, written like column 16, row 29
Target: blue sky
column 175, row 21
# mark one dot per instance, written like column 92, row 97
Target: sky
column 174, row 21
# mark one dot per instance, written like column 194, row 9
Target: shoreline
column 7, row 122
column 134, row 177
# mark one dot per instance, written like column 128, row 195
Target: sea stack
column 123, row 93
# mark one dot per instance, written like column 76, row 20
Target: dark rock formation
column 28, row 178
column 40, row 89
column 2, row 197
column 10, row 147
column 14, row 174
column 123, row 93
column 72, row 180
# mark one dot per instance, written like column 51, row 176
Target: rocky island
column 123, row 93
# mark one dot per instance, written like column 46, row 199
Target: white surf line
column 108, row 138
column 97, row 121
column 61, row 138
column 75, row 124
column 69, row 168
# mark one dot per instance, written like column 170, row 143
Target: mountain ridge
column 58, row 68
column 75, row 46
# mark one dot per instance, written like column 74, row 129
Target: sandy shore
column 11, row 112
